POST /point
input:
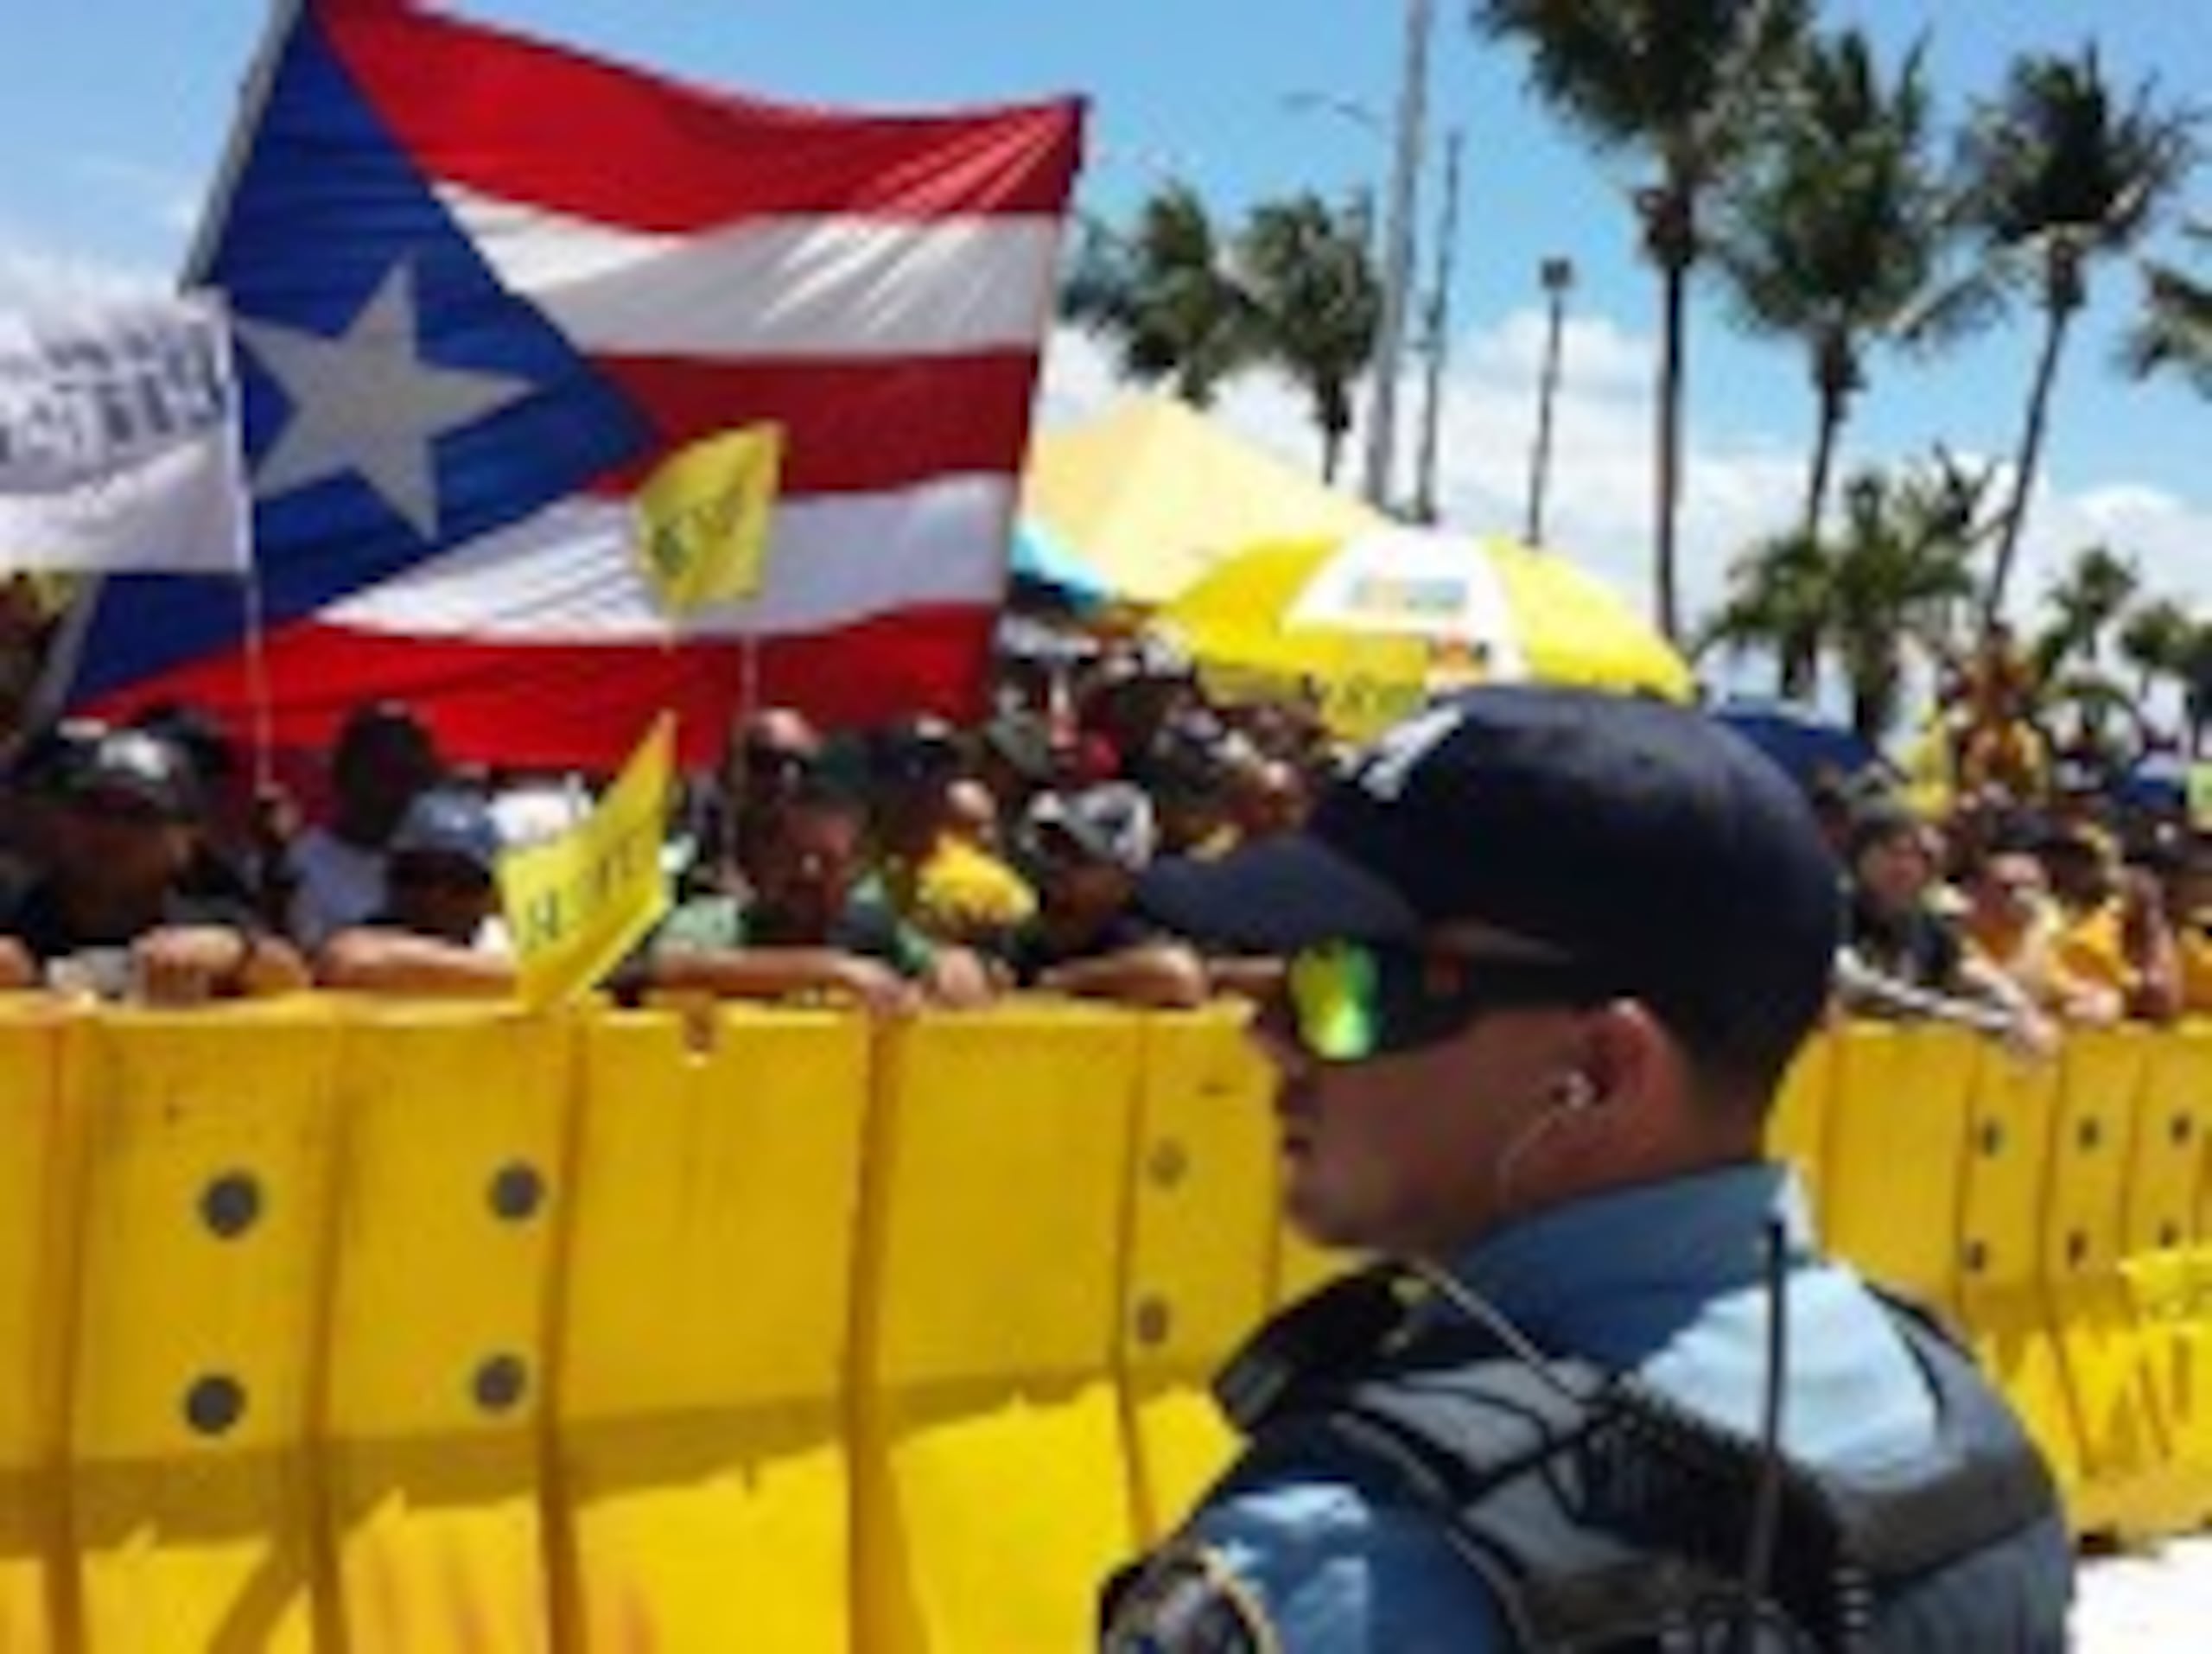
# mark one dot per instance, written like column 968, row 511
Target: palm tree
column 1162, row 296
column 2057, row 173
column 1305, row 271
column 1683, row 81
column 1894, row 582
column 1869, row 595
column 2196, row 685
column 2086, row 603
column 2155, row 640
column 1778, row 600
column 1834, row 228
column 2175, row 335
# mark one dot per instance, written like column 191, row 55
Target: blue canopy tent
column 1799, row 740
column 1048, row 571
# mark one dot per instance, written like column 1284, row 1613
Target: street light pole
column 1438, row 330
column 1398, row 250
column 1558, row 278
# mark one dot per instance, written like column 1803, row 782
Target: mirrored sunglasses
column 1348, row 1002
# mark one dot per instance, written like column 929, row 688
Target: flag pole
column 253, row 99
column 284, row 16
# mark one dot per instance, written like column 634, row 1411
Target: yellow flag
column 702, row 518
column 578, row 903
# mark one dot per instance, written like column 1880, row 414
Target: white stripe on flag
column 567, row 574
column 838, row 287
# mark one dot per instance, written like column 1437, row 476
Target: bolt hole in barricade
column 326, row 1326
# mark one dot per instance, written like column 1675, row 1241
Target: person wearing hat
column 111, row 913
column 1086, row 851
column 1550, row 956
column 440, row 931
column 37, row 775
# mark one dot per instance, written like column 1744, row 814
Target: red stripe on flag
column 528, row 121
column 849, row 426
column 567, row 705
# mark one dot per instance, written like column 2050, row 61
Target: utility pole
column 1559, row 278
column 1398, row 252
column 1440, row 332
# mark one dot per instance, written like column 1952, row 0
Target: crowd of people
column 2023, row 916
column 911, row 864
column 923, row 864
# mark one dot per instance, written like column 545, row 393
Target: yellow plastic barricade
column 2165, row 1265
column 1799, row 1116
column 35, row 1211
column 2108, row 1364
column 2001, row 1295
column 455, row 1123
column 990, row 1459
column 701, row 1389
column 1201, row 1234
column 204, row 1210
column 1893, row 1153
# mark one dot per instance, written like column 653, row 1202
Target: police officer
column 1549, row 955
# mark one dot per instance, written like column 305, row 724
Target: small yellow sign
column 2200, row 797
column 577, row 904
column 702, row 518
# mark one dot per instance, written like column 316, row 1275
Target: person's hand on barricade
column 878, row 990
column 17, row 968
column 958, row 979
column 189, row 964
column 2030, row 1038
column 2091, row 1007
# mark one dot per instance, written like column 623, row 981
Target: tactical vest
column 1602, row 1516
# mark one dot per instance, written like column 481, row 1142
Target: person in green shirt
column 810, row 924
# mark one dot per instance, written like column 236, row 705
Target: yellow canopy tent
column 1152, row 494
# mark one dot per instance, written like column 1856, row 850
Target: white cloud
column 1606, row 359
column 2169, row 538
column 34, row 276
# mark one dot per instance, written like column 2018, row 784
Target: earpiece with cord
column 1573, row 1094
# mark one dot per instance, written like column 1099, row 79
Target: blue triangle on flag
column 328, row 214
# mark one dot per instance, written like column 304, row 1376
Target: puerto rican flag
column 481, row 287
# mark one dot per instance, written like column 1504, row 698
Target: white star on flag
column 368, row 403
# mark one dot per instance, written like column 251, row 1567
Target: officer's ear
column 1628, row 1057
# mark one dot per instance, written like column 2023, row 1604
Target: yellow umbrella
column 1375, row 623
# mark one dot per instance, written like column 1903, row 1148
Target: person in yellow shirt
column 2185, row 884
column 2012, row 925
column 2112, row 932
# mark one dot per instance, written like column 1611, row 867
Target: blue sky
column 124, row 140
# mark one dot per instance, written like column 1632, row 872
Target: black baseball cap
column 1642, row 839
column 139, row 768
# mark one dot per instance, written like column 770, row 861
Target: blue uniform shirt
column 1667, row 1281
